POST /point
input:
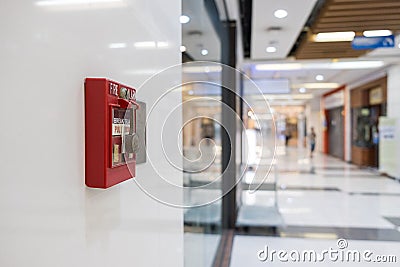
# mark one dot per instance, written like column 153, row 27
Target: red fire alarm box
column 111, row 141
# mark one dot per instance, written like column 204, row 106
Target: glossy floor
column 319, row 200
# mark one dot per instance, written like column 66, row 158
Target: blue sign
column 361, row 42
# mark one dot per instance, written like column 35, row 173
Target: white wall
column 393, row 92
column 393, row 111
column 48, row 216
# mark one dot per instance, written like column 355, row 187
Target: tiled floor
column 323, row 199
column 246, row 249
column 200, row 249
column 318, row 201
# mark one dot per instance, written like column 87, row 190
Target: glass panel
column 201, row 136
column 365, row 121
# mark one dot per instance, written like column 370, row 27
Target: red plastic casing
column 102, row 98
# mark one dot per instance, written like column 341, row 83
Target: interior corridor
column 318, row 201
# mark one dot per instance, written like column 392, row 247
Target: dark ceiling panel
column 246, row 9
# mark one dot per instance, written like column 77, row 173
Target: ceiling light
column 145, row 44
column 204, row 52
column 117, row 45
column 184, row 19
column 283, row 66
column 377, row 33
column 280, row 13
column 366, row 64
column 334, row 36
column 356, row 65
column 302, row 90
column 319, row 77
column 271, row 49
column 285, row 96
column 191, row 92
column 317, row 85
column 201, row 69
column 75, row 2
column 183, row 48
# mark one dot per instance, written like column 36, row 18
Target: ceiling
column 347, row 15
column 292, row 38
column 267, row 30
column 198, row 33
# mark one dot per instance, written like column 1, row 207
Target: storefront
column 334, row 122
column 368, row 103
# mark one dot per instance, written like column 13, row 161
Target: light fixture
column 201, row 69
column 319, row 77
column 316, row 85
column 149, row 44
column 283, row 66
column 271, row 49
column 334, row 36
column 183, row 48
column 302, row 90
column 366, row 64
column 377, row 33
column 76, row 2
column 280, row 13
column 287, row 97
column 356, row 64
column 191, row 92
column 184, row 19
column 204, row 52
column 117, row 45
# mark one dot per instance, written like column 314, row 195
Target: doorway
column 336, row 132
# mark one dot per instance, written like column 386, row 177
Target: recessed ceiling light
column 302, row 90
column 280, row 13
column 271, row 49
column 334, row 36
column 184, row 19
column 183, row 48
column 204, row 52
column 377, row 33
column 319, row 77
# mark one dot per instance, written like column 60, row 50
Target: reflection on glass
column 365, row 120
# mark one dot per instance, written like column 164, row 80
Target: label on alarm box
column 121, row 123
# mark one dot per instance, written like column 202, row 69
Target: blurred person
column 311, row 139
column 287, row 136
